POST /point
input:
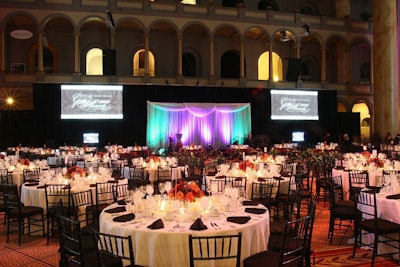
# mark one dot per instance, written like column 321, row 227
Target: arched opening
column 230, row 65
column 263, row 67
column 189, row 65
column 365, row 117
column 94, row 62
column 365, row 72
column 139, row 66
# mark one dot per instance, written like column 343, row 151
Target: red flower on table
column 24, row 161
column 186, row 191
column 75, row 170
column 246, row 164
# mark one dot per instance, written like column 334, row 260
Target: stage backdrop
column 215, row 124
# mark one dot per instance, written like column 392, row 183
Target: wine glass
column 128, row 202
column 204, row 201
column 214, row 188
column 161, row 188
column 167, row 187
column 149, row 189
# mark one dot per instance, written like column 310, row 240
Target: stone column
column 270, row 64
column 179, row 58
column 146, row 56
column 242, row 70
column 385, row 67
column 323, row 64
column 2, row 51
column 348, row 66
column 212, row 74
column 77, row 58
column 40, row 53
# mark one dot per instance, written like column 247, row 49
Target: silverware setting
column 216, row 226
column 175, row 227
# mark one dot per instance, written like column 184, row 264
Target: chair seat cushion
column 346, row 213
column 266, row 258
column 275, row 243
column 379, row 226
column 26, row 211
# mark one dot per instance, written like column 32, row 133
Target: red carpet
column 343, row 257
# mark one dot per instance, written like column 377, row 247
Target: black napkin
column 238, row 219
column 32, row 184
column 250, row 203
column 397, row 196
column 158, row 224
column 255, row 210
column 198, row 225
column 41, row 187
column 116, row 210
column 220, row 177
column 124, row 218
column 121, row 202
column 92, row 185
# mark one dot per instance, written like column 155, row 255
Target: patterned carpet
column 34, row 251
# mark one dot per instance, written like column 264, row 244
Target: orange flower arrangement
column 154, row 158
column 186, row 191
column 246, row 164
column 75, row 170
column 24, row 161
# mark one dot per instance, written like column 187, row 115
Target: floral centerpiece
column 188, row 191
column 153, row 158
column 24, row 161
column 71, row 171
column 246, row 164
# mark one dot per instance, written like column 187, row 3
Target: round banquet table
column 169, row 246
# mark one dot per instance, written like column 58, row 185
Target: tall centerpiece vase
column 178, row 142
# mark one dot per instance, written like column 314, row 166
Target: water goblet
column 161, row 188
column 167, row 186
column 128, row 202
column 149, row 189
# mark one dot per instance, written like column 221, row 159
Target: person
column 346, row 145
column 327, row 139
column 388, row 139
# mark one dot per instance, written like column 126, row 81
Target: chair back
column 218, row 183
column 11, row 197
column 269, row 188
column 121, row 191
column 366, row 205
column 56, row 193
column 296, row 232
column 238, row 182
column 137, row 176
column 287, row 169
column 31, row 175
column 164, row 173
column 118, row 247
column 292, row 206
column 70, row 237
column 357, row 181
column 81, row 200
column 214, row 248
column 106, row 192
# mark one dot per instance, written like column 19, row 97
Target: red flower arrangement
column 246, row 164
column 154, row 158
column 75, row 170
column 24, row 161
column 186, row 191
column 376, row 162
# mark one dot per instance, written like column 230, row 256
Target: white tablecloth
column 388, row 209
column 165, row 248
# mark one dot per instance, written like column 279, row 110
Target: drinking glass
column 167, row 186
column 161, row 188
column 149, row 189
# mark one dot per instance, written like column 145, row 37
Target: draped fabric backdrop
column 215, row 124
